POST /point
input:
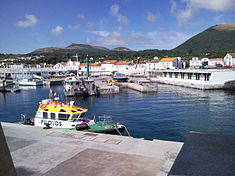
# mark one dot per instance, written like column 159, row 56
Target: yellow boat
column 52, row 113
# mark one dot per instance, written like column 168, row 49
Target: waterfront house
column 140, row 67
column 229, row 59
column 124, row 67
column 170, row 63
column 61, row 65
column 195, row 62
column 69, row 66
column 152, row 65
column 109, row 65
column 215, row 62
column 92, row 67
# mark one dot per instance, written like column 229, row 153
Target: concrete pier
column 205, row 79
column 36, row 151
column 105, row 88
column 6, row 165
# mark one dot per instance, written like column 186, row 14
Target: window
column 63, row 117
column 45, row 115
column 53, row 116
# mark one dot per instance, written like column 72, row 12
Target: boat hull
column 109, row 131
column 31, row 83
column 55, row 123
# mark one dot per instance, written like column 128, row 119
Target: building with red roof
column 171, row 63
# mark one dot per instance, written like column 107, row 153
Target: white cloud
column 57, row 30
column 192, row 6
column 81, row 16
column 114, row 11
column 151, row 17
column 75, row 27
column 30, row 21
column 118, row 38
column 100, row 33
column 168, row 39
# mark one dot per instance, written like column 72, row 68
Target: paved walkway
column 36, row 151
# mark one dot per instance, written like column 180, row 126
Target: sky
column 26, row 25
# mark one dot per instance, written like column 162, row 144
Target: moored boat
column 105, row 125
column 30, row 82
column 2, row 85
column 72, row 86
column 52, row 113
column 83, row 86
column 119, row 77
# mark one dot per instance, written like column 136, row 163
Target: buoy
column 42, row 106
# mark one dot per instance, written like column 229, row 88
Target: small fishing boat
column 83, row 86
column 119, row 77
column 72, row 86
column 105, row 125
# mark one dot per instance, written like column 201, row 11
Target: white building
column 152, row 65
column 124, row 67
column 93, row 67
column 109, row 65
column 229, row 59
column 70, row 65
column 171, row 63
column 206, row 62
column 195, row 63
column 215, row 62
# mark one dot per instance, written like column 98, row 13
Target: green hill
column 76, row 48
column 216, row 39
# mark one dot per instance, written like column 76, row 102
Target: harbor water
column 169, row 114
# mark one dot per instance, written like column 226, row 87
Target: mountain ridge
column 218, row 38
column 215, row 39
column 80, row 48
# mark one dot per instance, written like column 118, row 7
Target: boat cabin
column 59, row 115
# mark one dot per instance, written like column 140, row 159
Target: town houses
column 229, row 59
column 131, row 67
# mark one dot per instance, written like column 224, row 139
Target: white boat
column 72, row 86
column 83, row 86
column 2, row 85
column 30, row 82
column 52, row 113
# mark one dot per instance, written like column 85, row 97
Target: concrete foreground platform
column 205, row 155
column 36, row 151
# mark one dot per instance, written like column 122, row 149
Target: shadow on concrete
column 206, row 154
column 22, row 171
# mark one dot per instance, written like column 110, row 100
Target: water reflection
column 168, row 114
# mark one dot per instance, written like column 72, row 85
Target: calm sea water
column 169, row 114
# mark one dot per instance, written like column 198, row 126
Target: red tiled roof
column 232, row 54
column 95, row 64
column 123, row 63
column 63, row 63
column 109, row 62
column 168, row 59
column 215, row 59
column 152, row 61
column 90, row 64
